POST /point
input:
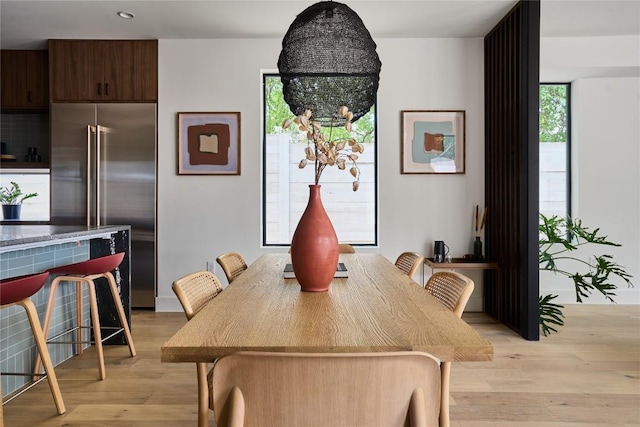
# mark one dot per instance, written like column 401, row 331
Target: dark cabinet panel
column 25, row 79
column 104, row 70
column 71, row 70
column 145, row 75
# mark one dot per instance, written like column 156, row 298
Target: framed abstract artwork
column 432, row 141
column 209, row 143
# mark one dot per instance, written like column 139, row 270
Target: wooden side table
column 460, row 264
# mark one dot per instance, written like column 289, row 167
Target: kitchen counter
column 13, row 237
column 29, row 249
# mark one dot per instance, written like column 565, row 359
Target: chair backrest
column 326, row 389
column 409, row 262
column 451, row 288
column 345, row 248
column 233, row 264
column 195, row 290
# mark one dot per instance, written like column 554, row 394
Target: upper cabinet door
column 145, row 56
column 110, row 70
column 114, row 69
column 72, row 72
column 25, row 79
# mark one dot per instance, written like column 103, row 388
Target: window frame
column 263, row 210
column 568, row 179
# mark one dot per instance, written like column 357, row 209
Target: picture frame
column 208, row 143
column 432, row 141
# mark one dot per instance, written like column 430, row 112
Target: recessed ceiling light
column 126, row 15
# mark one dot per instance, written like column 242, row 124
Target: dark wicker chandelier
column 329, row 59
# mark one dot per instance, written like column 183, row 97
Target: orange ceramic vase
column 314, row 248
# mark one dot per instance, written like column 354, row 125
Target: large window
column 555, row 133
column 286, row 187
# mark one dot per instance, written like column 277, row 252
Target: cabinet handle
column 106, row 89
column 29, row 96
column 99, row 88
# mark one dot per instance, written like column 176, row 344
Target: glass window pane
column 286, row 186
column 554, row 138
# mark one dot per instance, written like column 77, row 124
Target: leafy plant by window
column 558, row 238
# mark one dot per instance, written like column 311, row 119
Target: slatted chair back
column 451, row 288
column 409, row 262
column 195, row 290
column 233, row 264
column 326, row 389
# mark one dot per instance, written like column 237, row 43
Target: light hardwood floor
column 585, row 376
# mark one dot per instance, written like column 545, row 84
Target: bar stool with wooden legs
column 86, row 272
column 18, row 291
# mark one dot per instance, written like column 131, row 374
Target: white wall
column 605, row 153
column 200, row 217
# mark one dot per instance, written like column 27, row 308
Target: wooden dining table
column 376, row 308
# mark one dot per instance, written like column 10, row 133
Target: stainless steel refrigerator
column 103, row 172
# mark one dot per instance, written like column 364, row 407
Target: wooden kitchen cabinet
column 25, row 79
column 103, row 70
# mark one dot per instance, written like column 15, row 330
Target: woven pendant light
column 329, row 59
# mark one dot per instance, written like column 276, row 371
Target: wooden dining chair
column 194, row 291
column 233, row 264
column 326, row 389
column 345, row 248
column 453, row 290
column 409, row 262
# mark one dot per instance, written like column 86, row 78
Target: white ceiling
column 27, row 24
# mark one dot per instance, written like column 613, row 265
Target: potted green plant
column 11, row 198
column 558, row 238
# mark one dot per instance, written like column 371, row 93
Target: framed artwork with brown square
column 209, row 143
column 432, row 141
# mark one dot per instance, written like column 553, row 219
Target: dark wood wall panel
column 511, row 174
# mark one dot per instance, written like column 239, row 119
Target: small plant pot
column 11, row 211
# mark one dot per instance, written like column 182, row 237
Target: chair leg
column 79, row 345
column 97, row 335
column 47, row 320
column 40, row 340
column 123, row 318
column 445, row 368
column 203, row 395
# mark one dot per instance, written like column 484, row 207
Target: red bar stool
column 17, row 291
column 86, row 272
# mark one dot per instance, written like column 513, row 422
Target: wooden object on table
column 326, row 389
column 453, row 291
column 377, row 308
column 409, row 262
column 194, row 291
column 233, row 264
